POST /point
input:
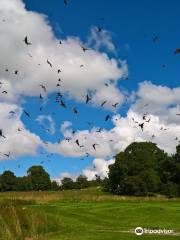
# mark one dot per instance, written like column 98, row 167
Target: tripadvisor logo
column 139, row 231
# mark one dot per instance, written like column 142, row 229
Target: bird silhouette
column 43, row 87
column 99, row 29
column 99, row 130
column 63, row 104
column 77, row 142
column 177, row 51
column 1, row 133
column 48, row 62
column 88, row 98
column 26, row 41
column 156, row 38
column 66, row 2
column 107, row 118
column 141, row 125
column 115, row 105
column 7, row 154
column 75, row 110
column 103, row 103
column 84, row 49
column 94, row 145
column 27, row 114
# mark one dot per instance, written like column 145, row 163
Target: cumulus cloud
column 100, row 168
column 32, row 70
column 17, row 140
column 158, row 100
column 163, row 127
column 31, row 61
column 101, row 39
column 47, row 123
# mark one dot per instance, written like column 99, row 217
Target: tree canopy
column 144, row 169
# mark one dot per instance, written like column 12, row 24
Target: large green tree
column 137, row 170
column 39, row 178
column 67, row 183
column 82, row 182
column 8, row 181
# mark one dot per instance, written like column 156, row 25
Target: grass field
column 84, row 215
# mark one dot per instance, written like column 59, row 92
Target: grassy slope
column 91, row 214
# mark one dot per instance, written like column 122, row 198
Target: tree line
column 38, row 179
column 142, row 169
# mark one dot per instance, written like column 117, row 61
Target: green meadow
column 87, row 214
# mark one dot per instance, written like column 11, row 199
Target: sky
column 130, row 66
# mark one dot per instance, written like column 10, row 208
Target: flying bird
column 43, row 87
column 107, row 117
column 177, row 51
column 48, row 62
column 155, row 38
column 26, row 41
column 115, row 105
column 87, row 98
column 84, row 49
column 12, row 112
column 27, row 114
column 75, row 110
column 66, row 2
column 141, row 125
column 62, row 104
column 103, row 103
column 77, row 142
column 1, row 134
column 99, row 130
column 99, row 29
column 7, row 154
column 94, row 145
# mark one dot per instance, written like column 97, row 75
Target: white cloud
column 33, row 70
column 101, row 39
column 47, row 123
column 100, row 168
column 18, row 140
column 158, row 100
column 163, row 128
column 15, row 55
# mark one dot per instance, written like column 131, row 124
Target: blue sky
column 131, row 26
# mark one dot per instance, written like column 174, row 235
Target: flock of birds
column 59, row 99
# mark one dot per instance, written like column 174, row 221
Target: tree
column 23, row 184
column 54, row 186
column 82, row 182
column 137, row 170
column 8, row 181
column 39, row 178
column 67, row 183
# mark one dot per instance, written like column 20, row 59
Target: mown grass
column 84, row 214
